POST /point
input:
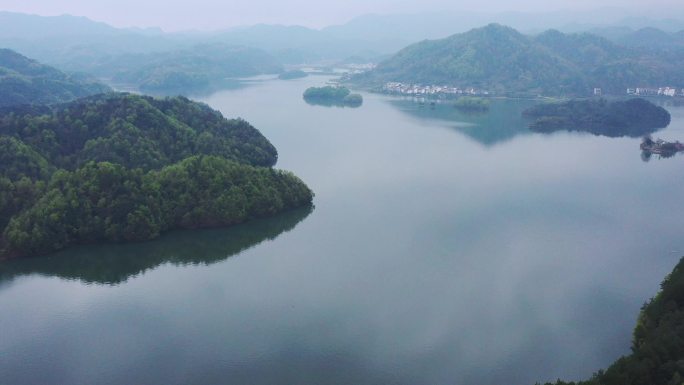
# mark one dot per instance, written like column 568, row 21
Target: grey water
column 444, row 248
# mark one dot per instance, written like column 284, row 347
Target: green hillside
column 25, row 81
column 501, row 60
column 121, row 167
column 657, row 356
column 197, row 69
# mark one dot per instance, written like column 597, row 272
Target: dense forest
column 121, row 167
column 332, row 96
column 657, row 356
column 503, row 61
column 25, row 81
column 634, row 117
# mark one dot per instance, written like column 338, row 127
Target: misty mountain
column 25, row 81
column 66, row 41
column 196, row 69
column 652, row 38
column 297, row 44
column 75, row 43
column 504, row 61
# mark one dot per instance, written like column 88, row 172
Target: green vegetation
column 115, row 263
column 199, row 69
column 122, row 167
column 25, row 81
column 327, row 92
column 294, row 74
column 505, row 62
column 633, row 117
column 657, row 356
column 332, row 96
column 470, row 103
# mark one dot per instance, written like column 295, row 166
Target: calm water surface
column 444, row 248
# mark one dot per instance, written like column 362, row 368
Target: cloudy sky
column 215, row 14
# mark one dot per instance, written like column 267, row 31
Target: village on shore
column 408, row 89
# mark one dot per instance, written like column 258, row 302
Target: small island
column 294, row 74
column 472, row 104
column 634, row 117
column 332, row 96
column 660, row 147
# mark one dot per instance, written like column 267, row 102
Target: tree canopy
column 657, row 356
column 634, row 117
column 25, row 81
column 332, row 96
column 503, row 61
column 122, row 167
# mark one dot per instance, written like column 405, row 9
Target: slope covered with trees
column 196, row 69
column 25, row 81
column 634, row 117
column 503, row 61
column 121, row 167
column 657, row 356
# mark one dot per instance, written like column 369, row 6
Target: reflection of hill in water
column 330, row 103
column 501, row 123
column 113, row 264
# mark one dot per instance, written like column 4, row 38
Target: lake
column 444, row 248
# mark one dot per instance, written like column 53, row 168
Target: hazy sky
column 213, row 14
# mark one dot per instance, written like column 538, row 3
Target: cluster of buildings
column 432, row 90
column 662, row 91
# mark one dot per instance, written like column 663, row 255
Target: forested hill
column 25, row 81
column 657, row 356
column 201, row 68
column 135, row 131
column 501, row 60
column 122, row 167
column 615, row 118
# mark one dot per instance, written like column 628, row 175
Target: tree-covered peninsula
column 25, row 81
column 657, row 356
column 122, row 167
column 332, row 96
column 634, row 117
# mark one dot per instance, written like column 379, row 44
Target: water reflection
column 114, row 264
column 501, row 123
column 330, row 103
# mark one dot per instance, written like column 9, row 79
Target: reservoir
column 444, row 248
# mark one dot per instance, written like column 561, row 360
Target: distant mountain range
column 502, row 60
column 68, row 42
column 24, row 81
column 196, row 69
column 619, row 53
